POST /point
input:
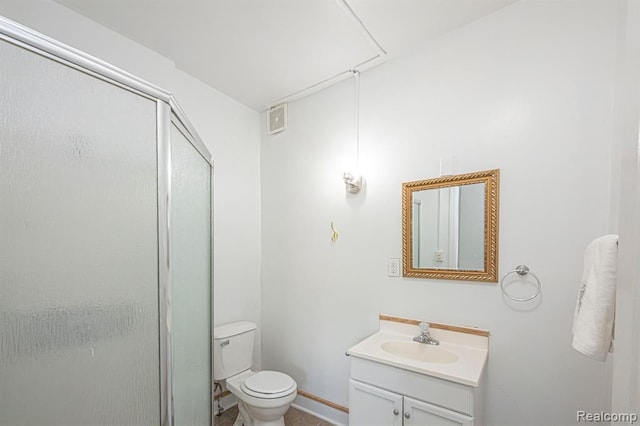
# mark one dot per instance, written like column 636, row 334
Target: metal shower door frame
column 167, row 111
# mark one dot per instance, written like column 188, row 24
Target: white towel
column 595, row 310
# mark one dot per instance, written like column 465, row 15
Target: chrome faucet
column 424, row 336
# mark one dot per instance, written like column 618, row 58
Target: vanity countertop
column 460, row 357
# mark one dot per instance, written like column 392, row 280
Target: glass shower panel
column 78, row 248
column 191, row 282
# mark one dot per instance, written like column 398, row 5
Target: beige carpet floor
column 294, row 417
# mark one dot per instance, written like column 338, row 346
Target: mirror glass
column 450, row 227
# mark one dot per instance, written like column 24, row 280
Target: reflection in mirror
column 450, row 227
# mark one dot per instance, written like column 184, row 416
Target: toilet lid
column 268, row 382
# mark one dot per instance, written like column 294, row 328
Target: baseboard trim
column 323, row 401
column 318, row 415
column 222, row 395
column 302, row 393
column 225, row 403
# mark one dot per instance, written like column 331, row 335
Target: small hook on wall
column 334, row 233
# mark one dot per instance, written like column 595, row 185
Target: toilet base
column 244, row 418
column 258, row 411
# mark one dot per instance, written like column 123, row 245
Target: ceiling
column 262, row 51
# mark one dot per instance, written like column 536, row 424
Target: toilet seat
column 268, row 385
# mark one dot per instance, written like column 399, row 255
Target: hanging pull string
column 356, row 108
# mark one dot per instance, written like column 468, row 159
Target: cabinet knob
column 396, row 412
column 407, row 415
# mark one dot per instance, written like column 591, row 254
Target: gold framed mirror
column 450, row 227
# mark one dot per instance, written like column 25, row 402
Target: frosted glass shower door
column 191, row 282
column 79, row 330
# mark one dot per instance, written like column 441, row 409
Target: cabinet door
column 371, row 406
column 418, row 413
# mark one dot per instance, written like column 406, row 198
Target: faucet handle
column 424, row 327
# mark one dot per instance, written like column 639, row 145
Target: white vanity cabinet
column 382, row 395
column 396, row 381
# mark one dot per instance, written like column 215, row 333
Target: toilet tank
column 232, row 349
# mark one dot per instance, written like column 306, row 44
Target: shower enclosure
column 105, row 244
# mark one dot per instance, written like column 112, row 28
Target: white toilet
column 263, row 397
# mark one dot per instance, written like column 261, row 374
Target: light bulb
column 352, row 181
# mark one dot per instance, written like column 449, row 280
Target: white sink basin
column 419, row 352
column 460, row 357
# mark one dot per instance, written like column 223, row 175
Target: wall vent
column 277, row 118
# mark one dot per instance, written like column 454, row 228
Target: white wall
column 229, row 129
column 528, row 90
column 626, row 362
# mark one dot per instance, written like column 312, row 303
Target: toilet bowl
column 263, row 396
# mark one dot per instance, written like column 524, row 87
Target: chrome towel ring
column 521, row 270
